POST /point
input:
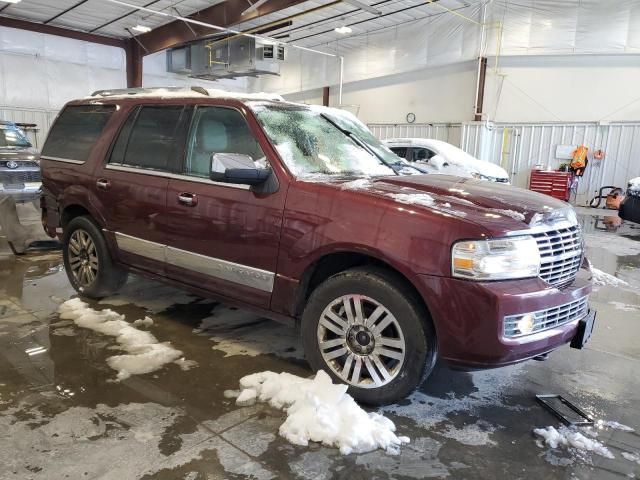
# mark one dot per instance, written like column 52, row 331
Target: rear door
column 223, row 237
column 132, row 183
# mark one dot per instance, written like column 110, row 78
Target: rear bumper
column 469, row 316
column 30, row 192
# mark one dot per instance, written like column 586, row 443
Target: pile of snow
column 144, row 353
column 319, row 411
column 614, row 425
column 359, row 184
column 603, row 278
column 571, row 438
column 509, row 213
column 632, row 457
column 414, row 198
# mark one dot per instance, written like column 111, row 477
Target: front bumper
column 29, row 192
column 469, row 317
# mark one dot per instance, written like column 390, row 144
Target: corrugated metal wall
column 518, row 147
column 42, row 118
column 448, row 132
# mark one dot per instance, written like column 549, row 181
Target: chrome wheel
column 361, row 341
column 83, row 258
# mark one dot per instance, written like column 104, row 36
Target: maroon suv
column 293, row 211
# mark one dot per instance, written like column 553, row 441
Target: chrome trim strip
column 144, row 248
column 65, row 160
column 222, row 269
column 213, row 267
column 176, row 176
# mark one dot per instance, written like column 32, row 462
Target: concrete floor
column 63, row 416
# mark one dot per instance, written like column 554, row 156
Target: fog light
column 526, row 323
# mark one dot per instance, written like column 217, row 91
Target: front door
column 223, row 237
column 132, row 184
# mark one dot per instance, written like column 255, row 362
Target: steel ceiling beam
column 67, row 10
column 223, row 14
column 363, row 6
column 61, row 32
column 123, row 16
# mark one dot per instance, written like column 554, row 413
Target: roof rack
column 120, row 92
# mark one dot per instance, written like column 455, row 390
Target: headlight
column 497, row 259
column 480, row 176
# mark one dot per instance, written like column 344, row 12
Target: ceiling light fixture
column 10, row 1
column 343, row 30
column 141, row 28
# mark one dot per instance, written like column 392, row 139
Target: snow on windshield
column 309, row 144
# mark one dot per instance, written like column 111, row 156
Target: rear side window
column 152, row 138
column 76, row 130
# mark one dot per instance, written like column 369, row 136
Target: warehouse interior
column 543, row 91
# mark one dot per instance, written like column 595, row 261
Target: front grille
column 12, row 177
column 560, row 254
column 547, row 319
column 21, row 164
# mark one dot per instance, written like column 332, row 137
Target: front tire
column 365, row 328
column 87, row 260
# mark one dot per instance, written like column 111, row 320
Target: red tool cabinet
column 555, row 184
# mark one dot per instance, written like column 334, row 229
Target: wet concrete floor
column 62, row 415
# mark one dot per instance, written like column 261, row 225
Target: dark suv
column 292, row 211
column 19, row 164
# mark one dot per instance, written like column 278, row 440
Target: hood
column 467, row 163
column 13, row 153
column 499, row 208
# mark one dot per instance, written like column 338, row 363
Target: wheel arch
column 335, row 262
column 72, row 211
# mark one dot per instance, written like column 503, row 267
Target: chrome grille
column 560, row 254
column 12, row 177
column 549, row 318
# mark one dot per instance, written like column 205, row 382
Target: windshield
column 11, row 136
column 310, row 145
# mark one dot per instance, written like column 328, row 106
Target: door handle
column 103, row 184
column 188, row 199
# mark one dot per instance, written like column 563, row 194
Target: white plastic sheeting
column 567, row 26
column 511, row 27
column 440, row 39
column 43, row 72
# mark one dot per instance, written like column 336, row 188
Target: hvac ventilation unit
column 232, row 57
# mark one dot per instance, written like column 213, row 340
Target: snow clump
column 320, row 411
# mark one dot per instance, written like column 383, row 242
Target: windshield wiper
column 359, row 142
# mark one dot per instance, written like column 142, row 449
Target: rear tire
column 87, row 260
column 369, row 317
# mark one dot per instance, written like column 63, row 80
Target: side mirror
column 237, row 168
column 438, row 162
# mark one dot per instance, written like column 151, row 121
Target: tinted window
column 400, row 151
column 219, row 130
column 155, row 141
column 117, row 154
column 76, row 131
